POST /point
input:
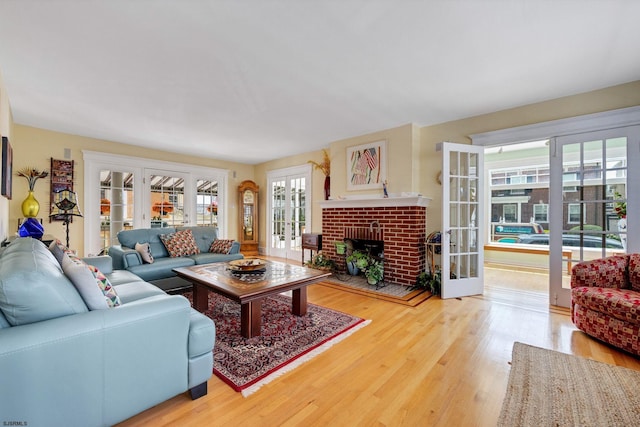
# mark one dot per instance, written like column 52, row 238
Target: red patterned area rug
column 246, row 364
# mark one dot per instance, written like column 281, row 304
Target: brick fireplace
column 400, row 222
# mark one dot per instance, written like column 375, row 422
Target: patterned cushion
column 180, row 243
column 145, row 252
column 634, row 271
column 623, row 304
column 58, row 249
column 610, row 272
column 624, row 335
column 93, row 286
column 221, row 246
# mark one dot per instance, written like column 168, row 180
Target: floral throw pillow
column 221, row 246
column 180, row 243
column 145, row 252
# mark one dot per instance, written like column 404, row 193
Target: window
column 207, row 202
column 574, row 213
column 510, row 213
column 541, row 213
column 143, row 193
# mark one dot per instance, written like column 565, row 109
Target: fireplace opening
column 374, row 248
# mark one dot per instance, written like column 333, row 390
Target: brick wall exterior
column 404, row 231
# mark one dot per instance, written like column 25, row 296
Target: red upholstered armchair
column 605, row 300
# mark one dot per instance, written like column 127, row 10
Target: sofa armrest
column 609, row 272
column 124, row 257
column 113, row 356
column 104, row 263
column 235, row 248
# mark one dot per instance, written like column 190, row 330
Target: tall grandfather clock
column 248, row 224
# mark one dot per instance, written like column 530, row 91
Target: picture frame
column 367, row 166
column 7, row 168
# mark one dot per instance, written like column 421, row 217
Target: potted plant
column 321, row 262
column 355, row 261
column 429, row 281
column 374, row 272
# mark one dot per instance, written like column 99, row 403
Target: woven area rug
column 547, row 388
column 390, row 292
column 286, row 341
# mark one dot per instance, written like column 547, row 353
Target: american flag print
column 365, row 166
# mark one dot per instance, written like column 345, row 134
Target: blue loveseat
column 64, row 364
column 160, row 272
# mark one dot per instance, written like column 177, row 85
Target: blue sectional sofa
column 160, row 272
column 62, row 363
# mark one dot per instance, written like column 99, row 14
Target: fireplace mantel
column 377, row 202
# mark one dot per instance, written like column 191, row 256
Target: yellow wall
column 621, row 96
column 413, row 162
column 35, row 147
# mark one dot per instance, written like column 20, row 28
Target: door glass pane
column 454, row 189
column 298, row 208
column 594, row 175
column 453, row 215
column 116, row 205
column 167, row 201
column 453, row 163
column 473, row 165
column 464, row 215
column 207, row 202
column 278, row 214
column 464, row 164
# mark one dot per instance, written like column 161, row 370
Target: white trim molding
column 587, row 123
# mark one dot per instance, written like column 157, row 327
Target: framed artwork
column 7, row 168
column 61, row 179
column 367, row 165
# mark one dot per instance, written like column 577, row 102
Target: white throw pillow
column 92, row 285
column 145, row 252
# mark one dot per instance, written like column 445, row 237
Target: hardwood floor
column 442, row 363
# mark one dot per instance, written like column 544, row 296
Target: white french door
column 289, row 211
column 170, row 198
column 462, row 220
column 591, row 173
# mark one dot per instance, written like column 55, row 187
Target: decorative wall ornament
column 7, row 165
column 325, row 167
column 367, row 165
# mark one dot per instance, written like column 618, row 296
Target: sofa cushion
column 221, row 246
column 610, row 272
column 129, row 238
column 119, row 277
column 134, row 291
column 145, row 252
column 208, row 257
column 161, row 268
column 623, row 304
column 202, row 235
column 93, row 286
column 180, row 244
column 634, row 272
column 33, row 288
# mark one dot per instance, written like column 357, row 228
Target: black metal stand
column 67, row 220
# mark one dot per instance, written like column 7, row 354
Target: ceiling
column 255, row 80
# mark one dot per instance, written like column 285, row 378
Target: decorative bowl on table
column 247, row 264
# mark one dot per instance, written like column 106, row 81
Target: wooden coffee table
column 250, row 288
